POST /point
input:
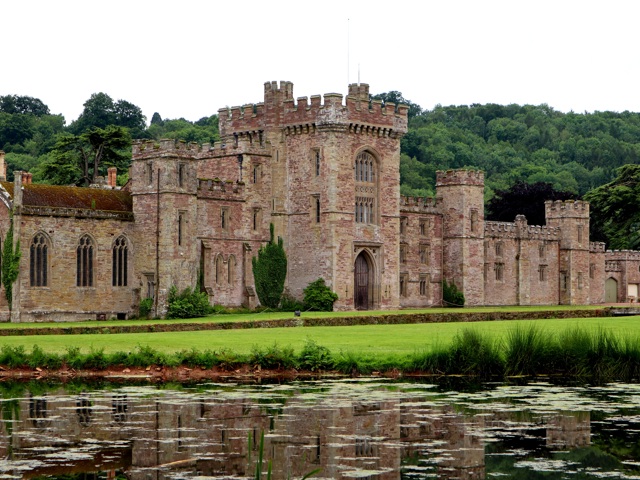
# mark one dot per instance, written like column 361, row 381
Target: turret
column 572, row 217
column 461, row 197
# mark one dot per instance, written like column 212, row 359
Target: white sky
column 188, row 58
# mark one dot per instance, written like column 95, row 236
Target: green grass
column 378, row 340
column 261, row 316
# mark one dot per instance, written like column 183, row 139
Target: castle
column 325, row 173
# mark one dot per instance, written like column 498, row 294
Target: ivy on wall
column 10, row 264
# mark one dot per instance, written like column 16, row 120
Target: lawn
column 370, row 339
column 261, row 316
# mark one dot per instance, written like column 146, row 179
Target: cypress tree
column 270, row 271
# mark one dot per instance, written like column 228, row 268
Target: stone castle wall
column 201, row 212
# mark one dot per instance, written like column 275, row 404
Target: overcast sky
column 189, row 58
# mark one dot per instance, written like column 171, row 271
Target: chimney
column 26, row 178
column 112, row 176
column 3, row 167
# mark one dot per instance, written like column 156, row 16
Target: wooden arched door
column 611, row 290
column 362, row 284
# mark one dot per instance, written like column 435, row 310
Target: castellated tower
column 461, row 193
column 163, row 187
column 572, row 217
column 334, row 189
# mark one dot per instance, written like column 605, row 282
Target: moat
column 347, row 428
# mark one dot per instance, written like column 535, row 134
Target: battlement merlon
column 597, row 247
column 419, row 205
column 494, row 229
column 460, row 177
column 221, row 189
column 170, row 148
column 280, row 110
column 566, row 209
column 622, row 255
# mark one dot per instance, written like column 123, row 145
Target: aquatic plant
column 527, row 350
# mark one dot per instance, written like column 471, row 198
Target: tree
column 156, row 119
column 24, row 105
column 397, row 98
column 270, row 271
column 100, row 111
column 524, row 199
column 15, row 129
column 615, row 218
column 80, row 159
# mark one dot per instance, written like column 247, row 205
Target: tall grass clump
column 350, row 363
column 528, row 351
column 629, row 364
column 603, row 361
column 273, row 357
column 470, row 353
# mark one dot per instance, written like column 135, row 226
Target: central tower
column 334, row 187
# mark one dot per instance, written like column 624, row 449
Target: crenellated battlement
column 597, row 247
column 215, row 188
column 425, row 205
column 460, row 177
column 280, row 110
column 513, row 230
column 566, row 209
column 613, row 255
column 251, row 143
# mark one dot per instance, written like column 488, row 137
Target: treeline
column 38, row 141
column 574, row 152
column 587, row 155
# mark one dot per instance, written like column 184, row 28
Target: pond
column 367, row 428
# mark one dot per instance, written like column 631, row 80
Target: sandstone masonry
column 325, row 172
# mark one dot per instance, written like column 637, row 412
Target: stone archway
column 611, row 290
column 363, row 283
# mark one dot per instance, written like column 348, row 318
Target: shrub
column 146, row 304
column 188, row 304
column 272, row 357
column 290, row 304
column 270, row 271
column 451, row 296
column 315, row 357
column 319, row 297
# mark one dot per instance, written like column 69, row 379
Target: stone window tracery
column 119, row 264
column 366, row 190
column 424, row 254
column 219, row 269
column 84, row 262
column 39, row 261
column 499, row 271
column 423, row 285
column 231, row 266
column 542, row 273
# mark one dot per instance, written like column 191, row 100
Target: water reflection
column 349, row 429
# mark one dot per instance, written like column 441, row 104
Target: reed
column 598, row 355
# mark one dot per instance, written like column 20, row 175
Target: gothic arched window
column 231, row 266
column 119, row 264
column 219, row 269
column 366, row 187
column 84, row 262
column 39, row 261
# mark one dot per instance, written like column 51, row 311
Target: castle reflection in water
column 348, row 430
